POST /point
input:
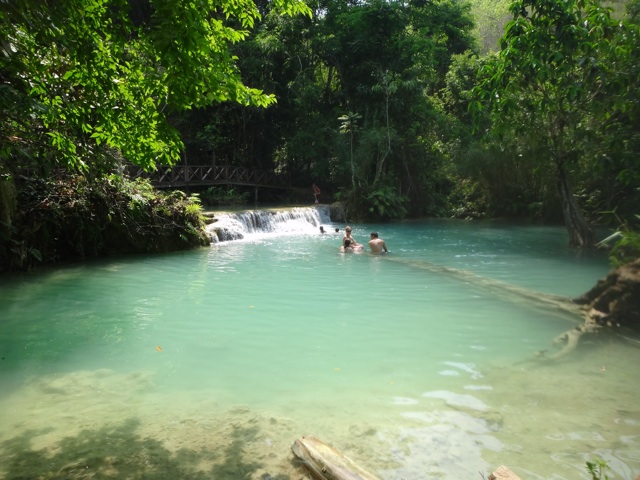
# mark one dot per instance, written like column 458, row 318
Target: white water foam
column 254, row 224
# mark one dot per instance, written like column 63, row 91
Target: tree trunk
column 327, row 85
column 353, row 168
column 7, row 200
column 580, row 234
column 380, row 162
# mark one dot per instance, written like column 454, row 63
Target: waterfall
column 259, row 223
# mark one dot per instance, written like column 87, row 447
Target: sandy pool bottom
column 542, row 420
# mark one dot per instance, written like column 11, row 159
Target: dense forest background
column 525, row 110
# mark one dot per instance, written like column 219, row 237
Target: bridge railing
column 196, row 175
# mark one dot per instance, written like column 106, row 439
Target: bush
column 625, row 250
column 221, row 196
column 70, row 217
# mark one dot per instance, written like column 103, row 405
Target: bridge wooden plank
column 186, row 175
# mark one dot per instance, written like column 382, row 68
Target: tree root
column 613, row 302
column 570, row 338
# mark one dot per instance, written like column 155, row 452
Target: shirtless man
column 377, row 245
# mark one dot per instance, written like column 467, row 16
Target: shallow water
column 419, row 364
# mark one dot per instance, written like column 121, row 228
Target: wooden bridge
column 202, row 175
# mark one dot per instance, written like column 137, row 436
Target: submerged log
column 551, row 304
column 327, row 463
column 613, row 302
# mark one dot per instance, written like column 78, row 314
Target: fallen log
column 612, row 302
column 327, row 463
column 503, row 473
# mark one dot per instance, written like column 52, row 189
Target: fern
column 596, row 469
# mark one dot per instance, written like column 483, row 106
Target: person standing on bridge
column 316, row 192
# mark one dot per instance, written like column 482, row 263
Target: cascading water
column 256, row 223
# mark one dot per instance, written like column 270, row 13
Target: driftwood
column 327, row 463
column 503, row 473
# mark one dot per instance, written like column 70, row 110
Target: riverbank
column 70, row 217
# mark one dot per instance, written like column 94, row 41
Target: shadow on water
column 118, row 452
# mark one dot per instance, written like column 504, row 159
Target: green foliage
column 562, row 92
column 550, row 59
column 67, row 218
column 508, row 177
column 457, row 92
column 468, row 200
column 88, row 85
column 224, row 196
column 548, row 84
column 374, row 204
column 597, row 469
column 385, row 203
column 370, row 95
column 390, row 76
column 355, row 87
column 491, row 16
column 82, row 77
column 627, row 248
column 610, row 165
column 194, row 205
